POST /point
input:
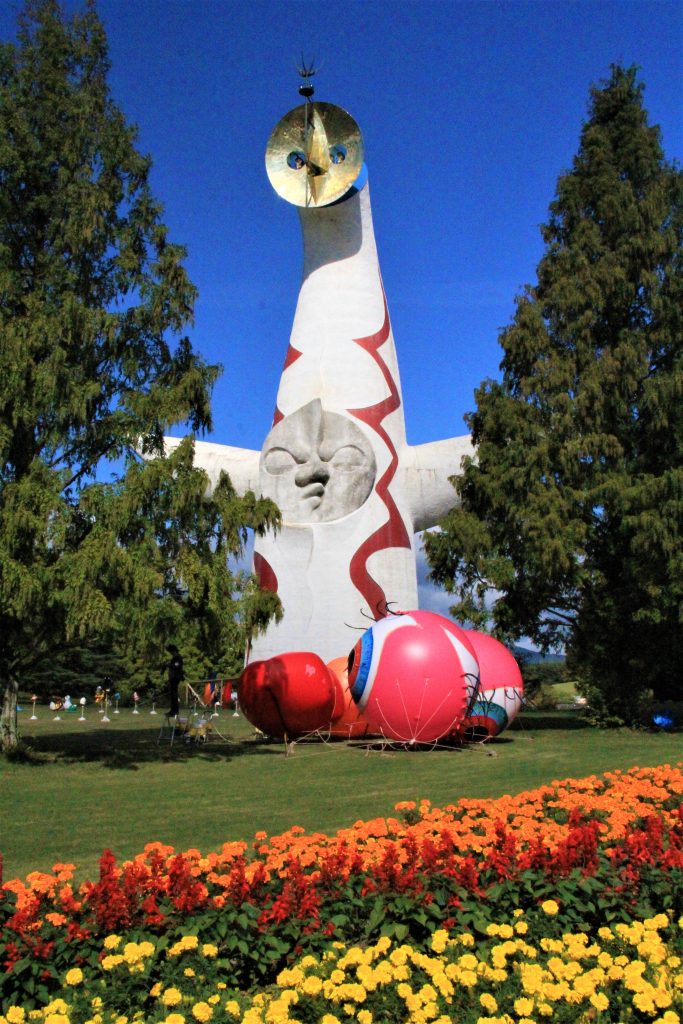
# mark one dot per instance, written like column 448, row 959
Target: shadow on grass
column 131, row 748
column 531, row 721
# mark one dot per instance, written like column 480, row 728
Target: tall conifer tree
column 574, row 509
column 94, row 300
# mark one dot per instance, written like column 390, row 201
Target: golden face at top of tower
column 314, row 154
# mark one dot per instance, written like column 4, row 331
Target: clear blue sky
column 469, row 111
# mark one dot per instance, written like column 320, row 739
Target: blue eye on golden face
column 296, row 159
column 338, row 154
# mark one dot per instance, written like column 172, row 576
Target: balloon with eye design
column 413, row 675
column 500, row 693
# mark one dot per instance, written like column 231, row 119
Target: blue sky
column 469, row 111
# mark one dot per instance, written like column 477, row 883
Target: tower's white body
column 351, row 491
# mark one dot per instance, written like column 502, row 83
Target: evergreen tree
column 94, row 365
column 574, row 508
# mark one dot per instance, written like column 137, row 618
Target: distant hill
column 528, row 657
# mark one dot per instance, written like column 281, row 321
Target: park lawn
column 90, row 786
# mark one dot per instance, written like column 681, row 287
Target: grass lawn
column 91, row 785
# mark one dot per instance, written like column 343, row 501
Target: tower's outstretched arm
column 240, row 464
column 427, row 469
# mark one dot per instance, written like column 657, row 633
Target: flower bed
column 603, row 852
column 629, row 972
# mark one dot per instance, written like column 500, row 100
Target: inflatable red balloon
column 290, row 695
column 413, row 676
column 500, row 692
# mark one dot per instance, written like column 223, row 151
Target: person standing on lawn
column 176, row 674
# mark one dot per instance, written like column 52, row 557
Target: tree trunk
column 9, row 731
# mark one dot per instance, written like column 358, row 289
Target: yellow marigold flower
column 189, row 972
column 96, row 1003
column 112, row 961
column 208, row 949
column 57, row 1018
column 599, row 1000
column 212, row 1000
column 364, row 1017
column 550, row 907
column 74, row 976
column 202, row 1012
column 171, row 997
column 174, row 1018
column 488, row 1002
column 290, row 976
column 252, row 1016
column 155, row 989
column 442, row 983
column 381, row 946
column 112, row 941
column 233, row 1007
column 329, row 1018
column 468, row 961
column 312, row 985
column 644, row 1002
column 521, row 927
column 439, row 940
column 524, row 1006
column 15, row 1015
column 184, row 945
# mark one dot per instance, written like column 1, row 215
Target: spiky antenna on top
column 306, row 71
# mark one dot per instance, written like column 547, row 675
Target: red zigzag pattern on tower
column 392, row 533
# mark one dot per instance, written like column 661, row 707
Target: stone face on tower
column 352, row 492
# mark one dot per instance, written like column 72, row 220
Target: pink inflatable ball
column 413, row 675
column 501, row 689
column 290, row 695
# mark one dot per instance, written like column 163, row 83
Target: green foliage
column 573, row 509
column 93, row 366
column 540, row 680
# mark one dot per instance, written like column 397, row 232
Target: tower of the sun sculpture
column 352, row 492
